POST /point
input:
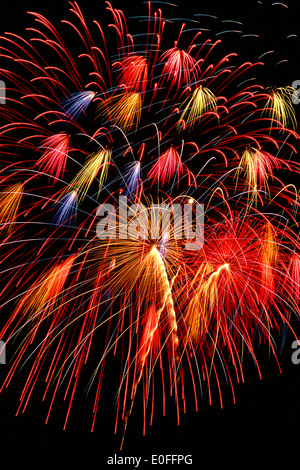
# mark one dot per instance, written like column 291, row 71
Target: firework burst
column 160, row 125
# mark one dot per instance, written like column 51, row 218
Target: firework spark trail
column 165, row 301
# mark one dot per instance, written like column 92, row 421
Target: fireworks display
column 97, row 113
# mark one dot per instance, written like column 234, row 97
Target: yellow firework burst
column 96, row 166
column 200, row 102
column 257, row 167
column 279, row 107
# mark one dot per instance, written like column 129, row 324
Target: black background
column 267, row 411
